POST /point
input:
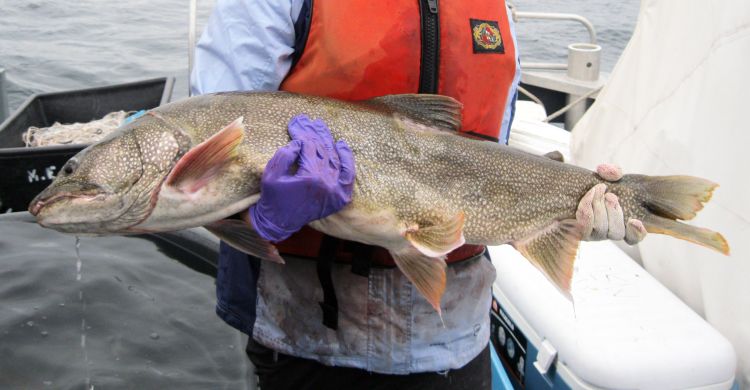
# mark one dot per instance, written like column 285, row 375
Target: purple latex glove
column 321, row 185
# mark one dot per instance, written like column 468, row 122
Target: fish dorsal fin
column 426, row 273
column 204, row 161
column 553, row 251
column 435, row 111
column 440, row 239
column 242, row 236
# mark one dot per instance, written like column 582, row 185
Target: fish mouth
column 40, row 203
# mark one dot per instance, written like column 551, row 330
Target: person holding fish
column 339, row 314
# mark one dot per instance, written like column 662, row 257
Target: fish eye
column 69, row 168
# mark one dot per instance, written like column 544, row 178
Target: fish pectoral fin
column 553, row 251
column 426, row 273
column 241, row 236
column 435, row 111
column 204, row 161
column 440, row 239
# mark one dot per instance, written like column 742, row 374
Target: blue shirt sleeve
column 510, row 105
column 247, row 45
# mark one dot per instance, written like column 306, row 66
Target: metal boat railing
column 580, row 81
column 521, row 15
column 3, row 97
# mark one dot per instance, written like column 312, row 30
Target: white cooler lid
column 627, row 331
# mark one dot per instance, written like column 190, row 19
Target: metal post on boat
column 191, row 42
column 3, row 97
column 581, row 81
column 583, row 65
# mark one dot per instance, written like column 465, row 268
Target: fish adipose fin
column 435, row 111
column 198, row 166
column 242, row 236
column 555, row 155
column 553, row 251
column 438, row 240
column 426, row 273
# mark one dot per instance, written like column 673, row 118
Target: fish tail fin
column 671, row 198
column 677, row 197
column 701, row 236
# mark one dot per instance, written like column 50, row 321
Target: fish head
column 111, row 185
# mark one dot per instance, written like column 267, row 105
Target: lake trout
column 421, row 190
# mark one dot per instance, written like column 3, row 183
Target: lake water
column 135, row 320
column 49, row 45
column 124, row 314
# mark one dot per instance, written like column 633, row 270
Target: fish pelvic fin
column 241, row 236
column 435, row 111
column 426, row 273
column 666, row 199
column 423, row 260
column 440, row 239
column 553, row 250
column 199, row 165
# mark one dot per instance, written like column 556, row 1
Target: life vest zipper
column 430, row 59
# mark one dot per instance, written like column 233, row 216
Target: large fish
column 420, row 192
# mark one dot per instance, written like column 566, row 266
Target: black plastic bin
column 27, row 171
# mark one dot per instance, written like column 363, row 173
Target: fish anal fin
column 553, row 250
column 426, row 273
column 440, row 239
column 434, row 111
column 241, row 236
column 205, row 160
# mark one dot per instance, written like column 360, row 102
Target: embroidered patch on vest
column 486, row 36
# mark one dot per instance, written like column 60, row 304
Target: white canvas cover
column 677, row 103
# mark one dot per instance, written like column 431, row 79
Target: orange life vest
column 359, row 49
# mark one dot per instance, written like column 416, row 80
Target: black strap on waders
column 361, row 263
column 330, row 305
column 361, row 260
